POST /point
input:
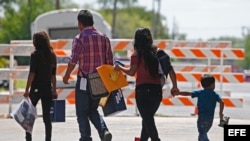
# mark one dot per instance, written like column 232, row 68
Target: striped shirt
column 90, row 49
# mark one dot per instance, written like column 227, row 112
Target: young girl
column 41, row 83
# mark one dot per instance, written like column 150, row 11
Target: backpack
column 164, row 61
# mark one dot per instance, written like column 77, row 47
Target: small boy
column 206, row 103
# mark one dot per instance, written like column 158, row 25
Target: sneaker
column 137, row 139
column 107, row 136
column 224, row 121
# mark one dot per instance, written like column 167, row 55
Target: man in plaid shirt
column 90, row 49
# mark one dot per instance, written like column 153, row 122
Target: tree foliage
column 247, row 52
column 109, row 4
column 18, row 16
column 129, row 19
column 130, row 16
column 17, row 20
column 113, row 4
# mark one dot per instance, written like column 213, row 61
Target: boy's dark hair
column 207, row 80
column 85, row 17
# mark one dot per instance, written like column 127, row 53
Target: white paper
column 83, row 84
column 20, row 116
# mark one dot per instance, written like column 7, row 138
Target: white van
column 62, row 23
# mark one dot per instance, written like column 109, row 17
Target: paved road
column 173, row 122
column 122, row 128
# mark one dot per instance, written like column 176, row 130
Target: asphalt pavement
column 173, row 123
column 122, row 129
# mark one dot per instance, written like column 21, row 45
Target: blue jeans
column 204, row 124
column 86, row 109
column 148, row 99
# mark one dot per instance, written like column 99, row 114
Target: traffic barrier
column 202, row 44
column 69, row 94
column 61, row 68
column 196, row 53
column 195, row 77
column 201, row 68
column 176, row 49
column 206, row 53
column 125, row 44
column 188, row 101
column 65, row 44
column 173, row 101
column 180, row 76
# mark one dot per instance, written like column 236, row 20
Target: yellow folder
column 111, row 79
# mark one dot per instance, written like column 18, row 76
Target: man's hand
column 66, row 79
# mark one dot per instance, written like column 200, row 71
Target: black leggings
column 44, row 93
column 148, row 99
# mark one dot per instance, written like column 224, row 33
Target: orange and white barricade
column 220, row 50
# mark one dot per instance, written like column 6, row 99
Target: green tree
column 4, row 4
column 236, row 42
column 131, row 18
column 16, row 21
column 3, row 62
column 18, row 16
column 114, row 3
column 247, row 52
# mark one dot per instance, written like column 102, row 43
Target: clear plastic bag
column 25, row 114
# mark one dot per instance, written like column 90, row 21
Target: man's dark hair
column 207, row 80
column 86, row 18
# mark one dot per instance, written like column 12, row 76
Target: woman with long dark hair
column 41, row 83
column 148, row 88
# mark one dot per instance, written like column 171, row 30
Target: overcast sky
column 202, row 18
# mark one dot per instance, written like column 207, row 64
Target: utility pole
column 29, row 17
column 57, row 4
column 156, row 17
column 114, row 19
column 153, row 18
column 175, row 30
column 245, row 30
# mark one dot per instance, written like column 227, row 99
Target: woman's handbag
column 96, row 86
column 113, row 80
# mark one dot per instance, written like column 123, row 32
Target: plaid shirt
column 90, row 50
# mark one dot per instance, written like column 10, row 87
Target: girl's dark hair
column 41, row 41
column 143, row 44
column 207, row 80
column 85, row 17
